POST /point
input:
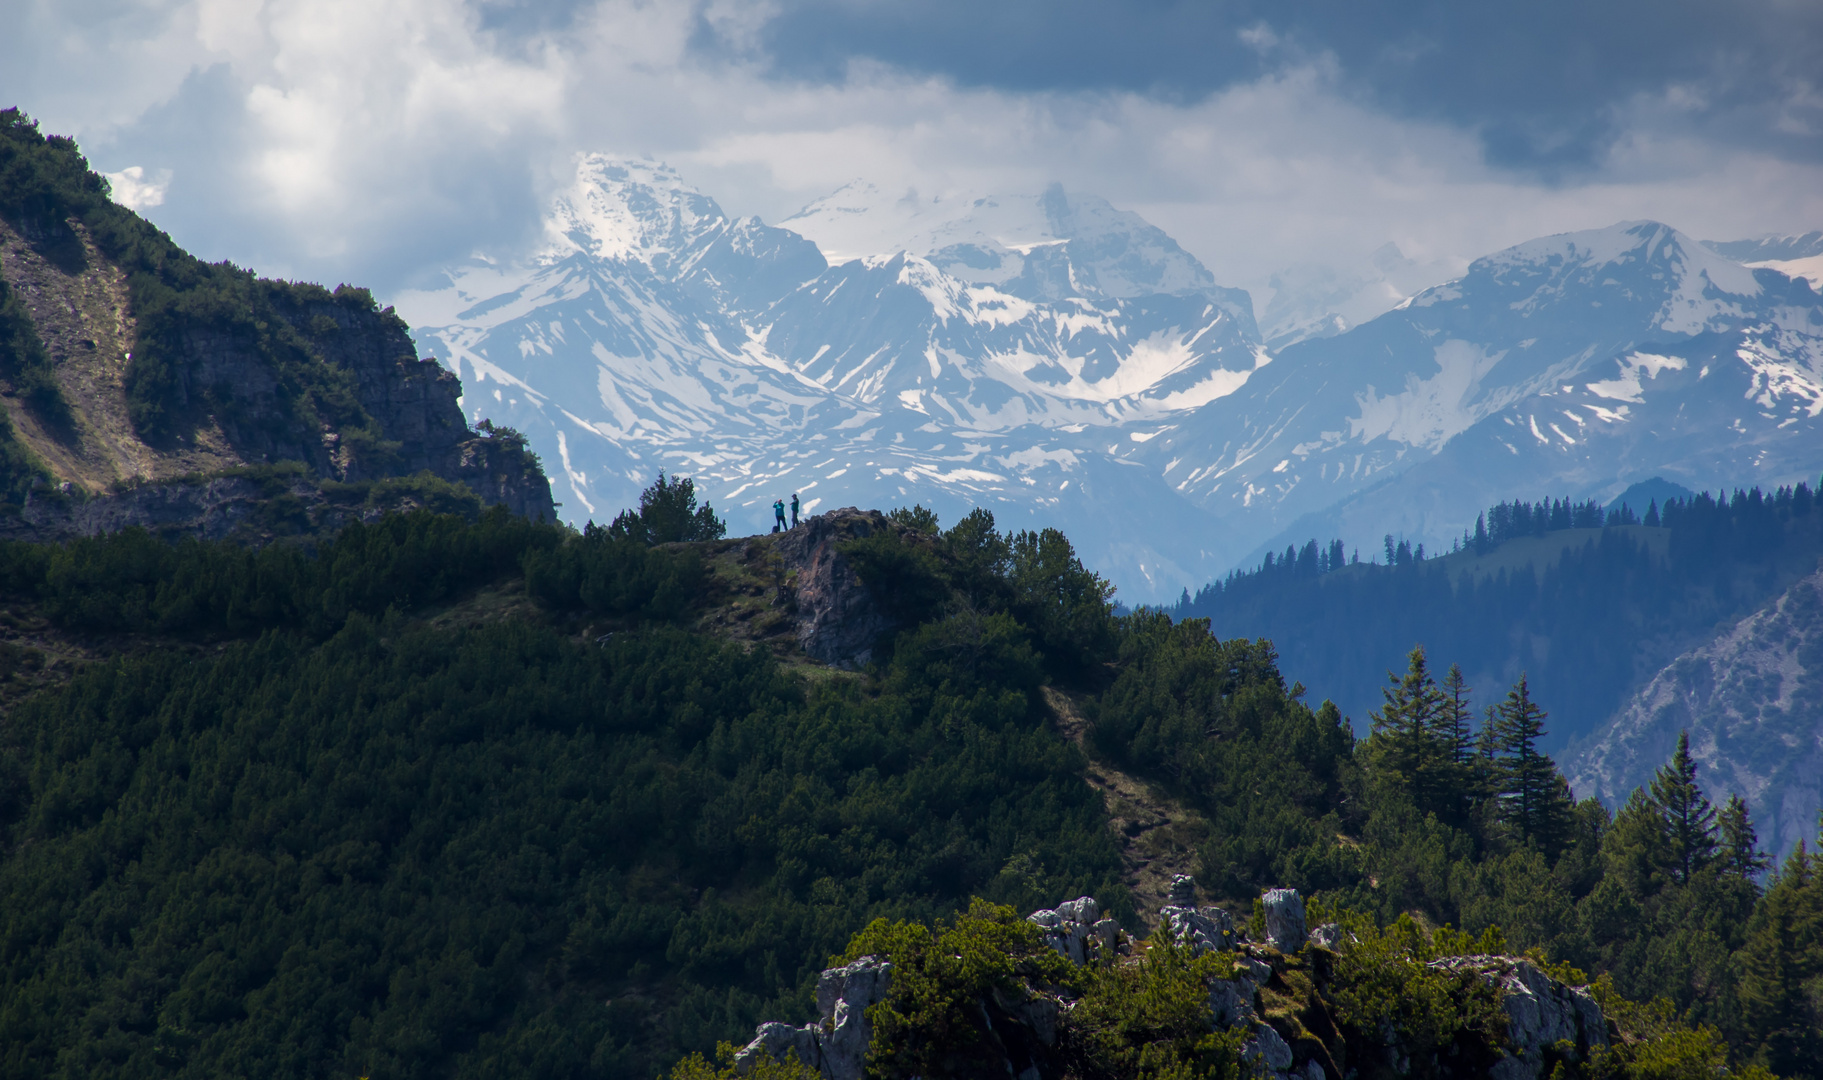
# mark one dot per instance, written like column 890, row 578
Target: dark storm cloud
column 1545, row 85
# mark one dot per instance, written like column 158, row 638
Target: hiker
column 794, row 509
column 778, row 513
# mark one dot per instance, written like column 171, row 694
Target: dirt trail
column 1157, row 835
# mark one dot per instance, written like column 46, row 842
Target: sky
column 374, row 141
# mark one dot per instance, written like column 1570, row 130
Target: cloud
column 1545, row 85
column 374, row 140
column 132, row 190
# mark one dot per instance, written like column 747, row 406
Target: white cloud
column 361, row 139
column 132, row 190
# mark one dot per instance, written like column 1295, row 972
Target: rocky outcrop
column 1203, row 929
column 1271, row 996
column 1548, row 1021
column 329, row 381
column 1284, row 919
column 1075, row 929
column 836, row 1045
column 839, row 620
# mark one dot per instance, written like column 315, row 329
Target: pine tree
column 1689, row 819
column 1454, row 735
column 667, row 514
column 1741, row 854
column 1405, row 727
column 1527, row 778
column 1779, row 969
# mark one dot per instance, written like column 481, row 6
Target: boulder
column 1207, row 929
column 1329, row 935
column 1183, row 891
column 1203, row 929
column 1284, row 919
column 1268, row 1048
column 1542, row 1013
column 1068, row 927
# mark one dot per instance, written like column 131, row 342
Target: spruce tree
column 1741, row 854
column 1779, row 970
column 1405, row 727
column 1689, row 819
column 1454, row 735
column 1528, row 778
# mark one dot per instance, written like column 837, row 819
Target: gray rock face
column 1284, row 919
column 1540, row 1013
column 1203, row 929
column 839, row 620
column 1069, row 927
column 1752, row 701
column 1329, row 935
column 836, row 1047
column 1269, row 1048
column 1183, row 891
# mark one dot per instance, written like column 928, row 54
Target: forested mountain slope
column 141, row 385
column 447, row 798
column 1589, row 606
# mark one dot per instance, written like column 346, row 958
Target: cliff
column 142, row 386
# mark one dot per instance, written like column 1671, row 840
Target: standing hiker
column 794, row 509
column 778, row 514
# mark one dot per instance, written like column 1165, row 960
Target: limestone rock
column 1183, row 891
column 1207, row 929
column 1203, row 929
column 1541, row 1012
column 1329, row 935
column 1284, row 919
column 1068, row 928
column 836, row 1047
column 1269, row 1048
column 843, row 997
column 780, row 1041
column 839, row 620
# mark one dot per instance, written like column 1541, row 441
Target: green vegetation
column 453, row 797
column 668, row 514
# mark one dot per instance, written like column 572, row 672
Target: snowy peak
column 1634, row 264
column 1770, row 248
column 631, row 210
column 1047, row 246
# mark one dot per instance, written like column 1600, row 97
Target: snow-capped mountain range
column 1062, row 362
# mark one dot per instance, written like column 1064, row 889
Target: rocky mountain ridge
column 187, row 398
column 1752, row 701
column 1066, row 363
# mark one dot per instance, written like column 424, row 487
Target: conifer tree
column 667, row 514
column 1406, row 728
column 1780, row 968
column 1528, row 779
column 1741, row 854
column 1689, row 818
column 1454, row 736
